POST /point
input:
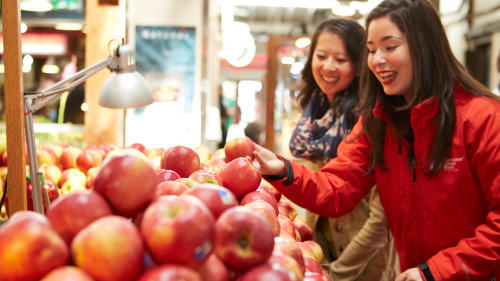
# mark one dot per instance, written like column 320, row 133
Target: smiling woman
column 389, row 57
column 428, row 137
column 328, row 96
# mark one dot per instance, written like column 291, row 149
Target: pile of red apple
column 188, row 215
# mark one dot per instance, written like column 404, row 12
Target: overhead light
column 27, row 63
column 343, row 11
column 287, row 60
column 238, row 44
column 68, row 26
column 24, row 27
column 36, row 5
column 302, row 42
column 296, row 68
column 50, row 66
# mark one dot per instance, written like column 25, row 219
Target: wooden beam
column 104, row 23
column 14, row 106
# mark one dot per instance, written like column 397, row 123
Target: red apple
column 153, row 152
column 127, row 182
column 285, row 202
column 313, row 276
column 91, row 174
column 287, row 228
column 261, row 195
column 213, row 269
column 166, row 175
column 263, row 208
column 205, row 176
column 318, row 251
column 312, row 265
column 219, row 154
column 29, row 247
column 181, row 159
column 306, row 232
column 267, row 272
column 87, row 159
column 179, row 231
column 214, row 174
column 68, row 157
column 239, row 147
column 74, row 174
column 169, row 188
column 290, row 248
column 288, row 262
column 204, row 153
column 171, row 272
column 71, row 186
column 118, row 151
column 283, row 211
column 190, row 183
column 3, row 173
column 137, row 220
column 244, row 239
column 240, row 177
column 51, row 172
column 57, row 148
column 268, row 186
column 52, row 192
column 138, row 146
column 217, row 198
column 46, row 155
column 67, row 272
column 71, row 213
column 306, row 250
column 110, row 248
column 215, row 165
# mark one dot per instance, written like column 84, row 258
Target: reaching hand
column 267, row 162
column 412, row 274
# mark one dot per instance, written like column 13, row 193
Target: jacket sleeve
column 478, row 255
column 338, row 187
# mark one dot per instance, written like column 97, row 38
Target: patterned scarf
column 319, row 130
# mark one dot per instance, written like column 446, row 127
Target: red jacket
column 451, row 221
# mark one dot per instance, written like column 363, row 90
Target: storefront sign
column 41, row 44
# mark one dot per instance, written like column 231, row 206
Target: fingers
column 258, row 147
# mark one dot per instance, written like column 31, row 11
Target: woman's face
column 389, row 57
column 332, row 68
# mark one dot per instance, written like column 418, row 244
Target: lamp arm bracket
column 37, row 100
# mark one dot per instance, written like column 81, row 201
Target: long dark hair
column 353, row 35
column 436, row 71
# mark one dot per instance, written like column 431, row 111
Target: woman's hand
column 267, row 163
column 412, row 274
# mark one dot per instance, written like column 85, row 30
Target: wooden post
column 14, row 106
column 270, row 87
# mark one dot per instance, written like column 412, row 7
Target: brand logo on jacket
column 450, row 165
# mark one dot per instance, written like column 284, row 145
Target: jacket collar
column 427, row 109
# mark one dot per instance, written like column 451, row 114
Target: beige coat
column 363, row 242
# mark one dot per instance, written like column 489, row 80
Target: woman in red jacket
column 428, row 137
